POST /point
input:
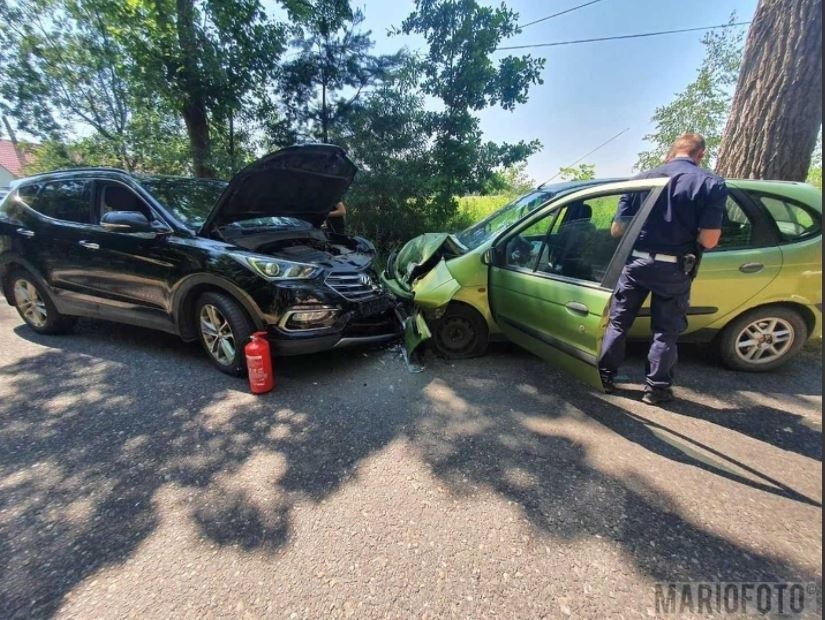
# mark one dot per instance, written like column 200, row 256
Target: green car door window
column 737, row 227
column 573, row 241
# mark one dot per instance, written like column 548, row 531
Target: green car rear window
column 794, row 220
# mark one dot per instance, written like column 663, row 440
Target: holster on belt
column 690, row 262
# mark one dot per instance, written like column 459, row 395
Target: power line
column 588, row 154
column 575, row 8
column 622, row 36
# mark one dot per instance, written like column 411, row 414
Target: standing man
column 686, row 220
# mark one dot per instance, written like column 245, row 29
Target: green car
column 541, row 270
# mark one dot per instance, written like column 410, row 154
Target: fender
column 182, row 289
column 8, row 261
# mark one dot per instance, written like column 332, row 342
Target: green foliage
column 186, row 66
column 815, row 172
column 385, row 134
column 61, row 67
column 199, row 86
column 458, row 69
column 332, row 58
column 704, row 105
column 582, row 172
column 512, row 180
column 472, row 209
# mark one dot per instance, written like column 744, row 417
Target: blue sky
column 592, row 91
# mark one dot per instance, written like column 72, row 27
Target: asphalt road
column 135, row 481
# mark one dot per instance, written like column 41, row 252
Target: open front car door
column 552, row 275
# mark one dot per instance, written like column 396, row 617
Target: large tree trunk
column 197, row 127
column 193, row 107
column 777, row 109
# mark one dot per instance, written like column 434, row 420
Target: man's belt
column 662, row 258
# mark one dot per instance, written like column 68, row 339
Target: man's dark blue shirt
column 694, row 199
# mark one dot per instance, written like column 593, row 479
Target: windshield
column 189, row 200
column 509, row 214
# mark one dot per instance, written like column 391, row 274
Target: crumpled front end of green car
column 420, row 275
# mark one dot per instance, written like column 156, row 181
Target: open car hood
column 304, row 182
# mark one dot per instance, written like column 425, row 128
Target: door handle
column 25, row 232
column 577, row 308
column 89, row 245
column 751, row 267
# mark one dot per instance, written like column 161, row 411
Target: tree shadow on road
column 89, row 433
column 92, row 430
column 749, row 415
column 481, row 439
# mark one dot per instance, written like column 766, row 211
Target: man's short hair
column 690, row 143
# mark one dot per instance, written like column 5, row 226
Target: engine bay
column 313, row 245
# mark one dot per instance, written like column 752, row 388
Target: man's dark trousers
column 670, row 289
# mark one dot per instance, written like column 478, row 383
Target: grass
column 471, row 209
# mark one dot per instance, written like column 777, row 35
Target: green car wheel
column 762, row 339
column 461, row 333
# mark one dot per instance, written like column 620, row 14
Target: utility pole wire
column 622, row 36
column 586, row 155
column 575, row 8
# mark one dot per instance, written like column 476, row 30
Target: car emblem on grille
column 365, row 279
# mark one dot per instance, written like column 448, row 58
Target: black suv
column 202, row 259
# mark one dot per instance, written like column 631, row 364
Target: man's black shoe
column 609, row 384
column 657, row 397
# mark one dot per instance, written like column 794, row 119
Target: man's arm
column 709, row 237
column 624, row 213
column 712, row 216
column 340, row 210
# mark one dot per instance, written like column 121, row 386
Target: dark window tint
column 10, row 207
column 69, row 201
column 115, row 197
column 27, row 193
column 574, row 241
column 737, row 228
column 793, row 220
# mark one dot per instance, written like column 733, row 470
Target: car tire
column 224, row 329
column 762, row 339
column 35, row 306
column 462, row 333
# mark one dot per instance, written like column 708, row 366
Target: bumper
column 392, row 285
column 351, row 330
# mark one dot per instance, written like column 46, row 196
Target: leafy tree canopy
column 704, row 105
column 582, row 172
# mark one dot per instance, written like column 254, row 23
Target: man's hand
column 340, row 210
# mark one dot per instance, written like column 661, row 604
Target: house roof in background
column 12, row 159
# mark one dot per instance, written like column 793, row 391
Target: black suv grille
column 354, row 286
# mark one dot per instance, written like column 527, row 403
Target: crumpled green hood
column 420, row 250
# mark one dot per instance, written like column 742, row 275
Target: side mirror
column 126, row 222
column 487, row 257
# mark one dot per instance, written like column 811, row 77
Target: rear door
column 552, row 275
column 744, row 263
column 55, row 219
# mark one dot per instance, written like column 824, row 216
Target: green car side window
column 574, row 241
column 737, row 228
column 794, row 221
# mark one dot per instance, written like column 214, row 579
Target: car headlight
column 276, row 268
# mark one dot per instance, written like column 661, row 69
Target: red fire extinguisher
column 259, row 364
